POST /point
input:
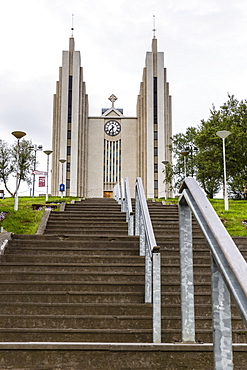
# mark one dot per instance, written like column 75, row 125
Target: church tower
column 92, row 153
column 70, row 120
column 154, row 124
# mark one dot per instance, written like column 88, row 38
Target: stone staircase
column 73, row 298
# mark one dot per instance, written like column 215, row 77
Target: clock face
column 112, row 128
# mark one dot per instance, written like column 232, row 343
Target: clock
column 112, row 128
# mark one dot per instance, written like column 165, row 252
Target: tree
column 207, row 163
column 231, row 116
column 9, row 166
column 175, row 174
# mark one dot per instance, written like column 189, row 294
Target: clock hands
column 112, row 128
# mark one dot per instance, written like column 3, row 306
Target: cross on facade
column 112, row 99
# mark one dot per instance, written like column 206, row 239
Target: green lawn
column 234, row 218
column 26, row 220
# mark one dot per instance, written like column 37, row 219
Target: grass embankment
column 25, row 220
column 234, row 220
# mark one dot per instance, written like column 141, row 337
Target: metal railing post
column 137, row 213
column 148, row 274
column 129, row 212
column 142, row 235
column 186, row 273
column 123, row 197
column 222, row 328
column 156, row 298
column 131, row 225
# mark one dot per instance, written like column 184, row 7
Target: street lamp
column 18, row 135
column 35, row 148
column 223, row 134
column 165, row 163
column 62, row 187
column 47, row 152
column 192, row 149
column 184, row 153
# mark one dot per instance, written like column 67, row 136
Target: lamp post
column 62, row 187
column 223, row 134
column 18, row 135
column 47, row 152
column 192, row 149
column 35, row 148
column 184, row 153
column 165, row 163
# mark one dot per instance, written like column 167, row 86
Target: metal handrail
column 229, row 272
column 152, row 245
column 128, row 208
column 123, row 197
column 121, row 193
column 117, row 193
column 149, row 249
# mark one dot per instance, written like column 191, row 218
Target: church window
column 112, row 161
column 155, row 101
column 70, row 99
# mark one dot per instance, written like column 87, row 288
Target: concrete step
column 37, row 308
column 46, row 258
column 8, row 286
column 117, row 356
column 133, row 268
column 103, row 322
column 97, row 256
column 82, row 227
column 76, row 321
column 87, row 218
column 71, row 237
column 72, row 297
column 105, row 335
column 81, row 233
column 71, row 251
column 40, row 286
column 108, row 276
column 72, row 268
column 83, row 296
column 85, row 232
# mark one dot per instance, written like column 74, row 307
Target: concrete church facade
column 98, row 151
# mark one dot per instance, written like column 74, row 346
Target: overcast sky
column 205, row 46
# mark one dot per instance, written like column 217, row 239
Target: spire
column 72, row 26
column 71, row 40
column 154, row 29
column 154, row 40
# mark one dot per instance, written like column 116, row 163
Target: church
column 92, row 154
